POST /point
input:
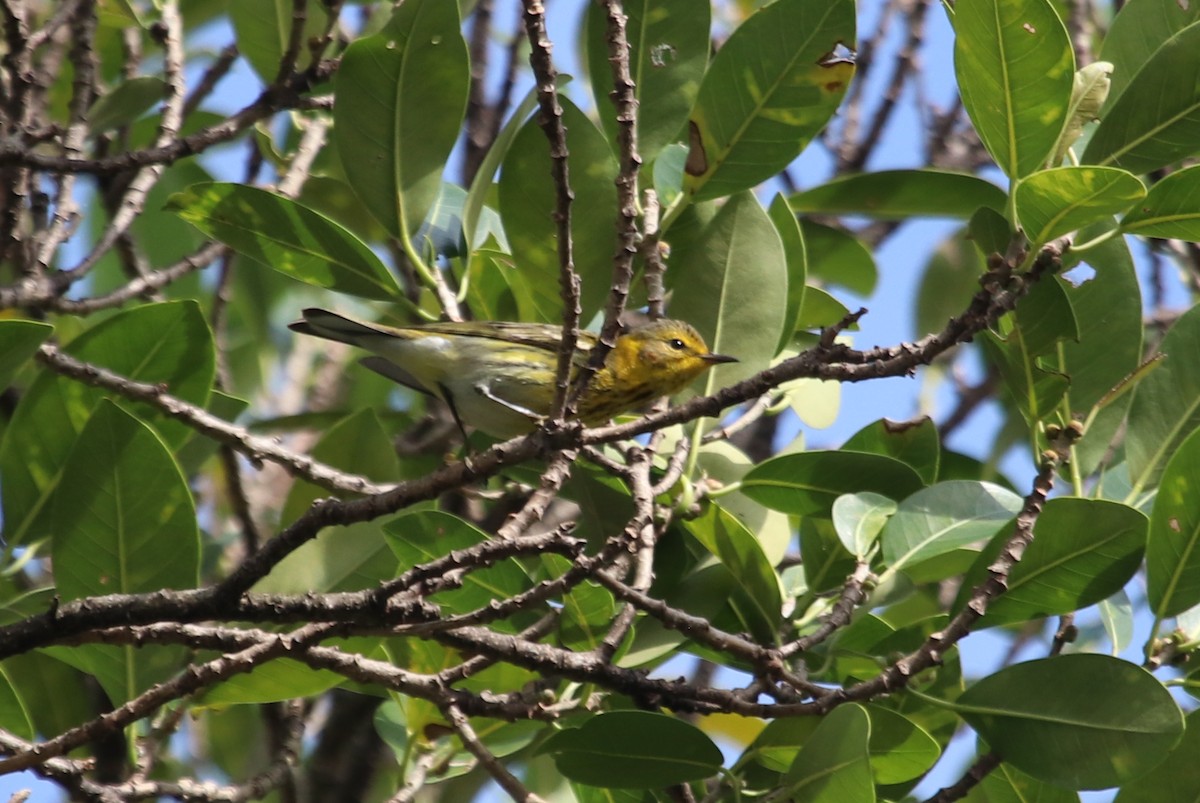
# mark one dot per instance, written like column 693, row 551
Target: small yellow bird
column 499, row 377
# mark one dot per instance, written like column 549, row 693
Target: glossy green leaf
column 419, row 537
column 124, row 523
column 341, row 558
column 1108, row 311
column 1043, row 320
column 900, row 195
column 944, row 517
column 948, row 282
column 19, row 341
column 1116, row 615
column 838, row 258
column 727, row 464
column 14, row 713
column 128, row 101
column 668, row 51
column 1083, row 551
column 796, row 253
column 263, row 28
column 55, row 693
column 1166, row 404
column 527, row 203
column 400, row 96
column 901, row 750
column 827, row 563
column 1137, row 32
column 1089, row 92
column 1177, row 778
column 587, row 609
column 1170, row 209
column 270, row 682
column 730, row 281
column 808, row 483
column 1007, row 784
column 633, row 750
column 1173, row 550
column 1156, row 120
column 820, row 310
column 1015, row 70
column 991, row 231
column 1081, row 721
column 859, row 518
column 765, row 96
column 280, row 233
column 758, row 601
column 168, row 344
column 1055, row 202
column 834, row 764
column 912, row 442
column 481, row 185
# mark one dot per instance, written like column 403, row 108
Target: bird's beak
column 715, row 358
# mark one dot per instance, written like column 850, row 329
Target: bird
column 499, row 376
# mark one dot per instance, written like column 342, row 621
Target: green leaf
column 1051, row 203
column 1177, row 778
column 481, row 185
column 859, row 518
column 124, row 523
column 587, row 609
column 347, row 558
column 1166, row 405
column 796, row 254
column 912, row 442
column 730, row 281
column 827, row 563
column 1171, row 208
column 263, row 28
column 758, row 600
column 668, row 51
column 1108, row 311
column 1044, row 319
column 168, row 344
column 1083, row 551
column 1156, row 120
column 944, row 517
column 281, row 679
column 423, row 536
column 1116, row 614
column 765, row 96
column 901, row 750
column 280, row 233
column 14, row 713
column 1173, row 549
column 1080, row 721
column 1137, row 32
column 19, row 340
column 820, row 309
column 834, row 764
column 948, row 282
column 900, row 195
column 808, row 483
column 1015, row 70
column 527, row 203
column 838, row 258
column 633, row 750
column 400, row 96
column 129, row 101
column 1007, row 784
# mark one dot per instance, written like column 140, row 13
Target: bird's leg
column 454, row 412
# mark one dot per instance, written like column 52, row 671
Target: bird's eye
column 677, row 344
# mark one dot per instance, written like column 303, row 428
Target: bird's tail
column 332, row 326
